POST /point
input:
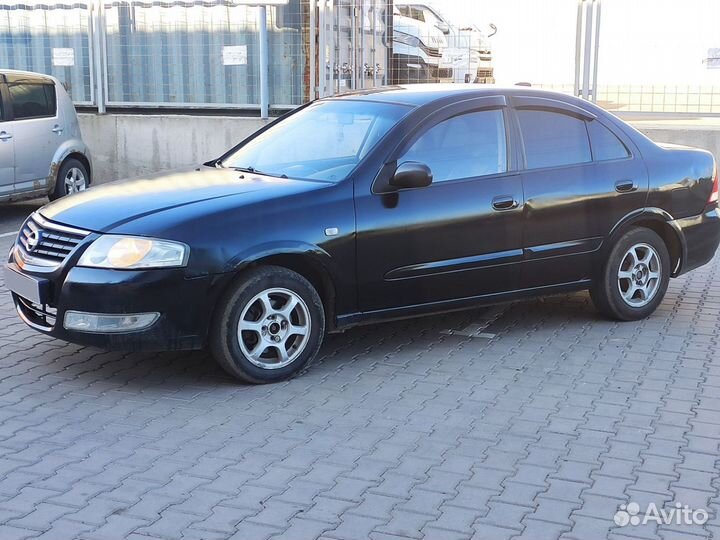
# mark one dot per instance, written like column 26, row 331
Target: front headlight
column 407, row 39
column 134, row 252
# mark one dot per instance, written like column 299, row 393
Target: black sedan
column 373, row 205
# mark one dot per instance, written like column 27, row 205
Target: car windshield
column 324, row 141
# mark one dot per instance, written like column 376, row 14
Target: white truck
column 418, row 49
column 468, row 53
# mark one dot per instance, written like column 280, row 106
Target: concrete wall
column 707, row 137
column 129, row 145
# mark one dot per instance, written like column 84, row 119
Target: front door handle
column 4, row 136
column 504, row 202
column 57, row 129
column 625, row 186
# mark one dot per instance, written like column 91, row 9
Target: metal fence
column 645, row 55
column 51, row 38
column 199, row 54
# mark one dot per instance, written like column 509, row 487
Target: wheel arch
column 82, row 158
column 660, row 222
column 61, row 159
column 311, row 262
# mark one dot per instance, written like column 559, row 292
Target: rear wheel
column 73, row 177
column 269, row 327
column 635, row 277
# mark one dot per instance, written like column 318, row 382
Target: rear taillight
column 714, row 194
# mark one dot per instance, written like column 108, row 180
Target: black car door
column 575, row 191
column 458, row 237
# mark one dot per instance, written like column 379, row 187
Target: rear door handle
column 625, row 186
column 4, row 136
column 504, row 202
column 57, row 129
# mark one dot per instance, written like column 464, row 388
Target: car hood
column 103, row 208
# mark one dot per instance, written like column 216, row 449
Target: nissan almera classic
column 369, row 206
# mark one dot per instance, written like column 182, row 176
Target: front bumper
column 185, row 305
column 700, row 237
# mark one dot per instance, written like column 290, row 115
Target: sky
column 641, row 41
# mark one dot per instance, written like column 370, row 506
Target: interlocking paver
column 398, row 431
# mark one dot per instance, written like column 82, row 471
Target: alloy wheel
column 274, row 328
column 639, row 275
column 75, row 181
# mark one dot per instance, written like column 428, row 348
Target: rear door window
column 553, row 139
column 32, row 100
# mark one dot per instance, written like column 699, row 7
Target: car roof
column 417, row 95
column 21, row 73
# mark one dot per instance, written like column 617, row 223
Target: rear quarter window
column 605, row 144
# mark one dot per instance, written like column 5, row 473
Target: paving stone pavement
column 400, row 430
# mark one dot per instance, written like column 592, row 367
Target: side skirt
column 419, row 310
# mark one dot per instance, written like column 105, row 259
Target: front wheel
column 270, row 326
column 635, row 277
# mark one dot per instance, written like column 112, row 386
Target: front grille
column 45, row 243
column 42, row 316
column 431, row 51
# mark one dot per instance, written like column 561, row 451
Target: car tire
column 255, row 324
column 72, row 177
column 634, row 278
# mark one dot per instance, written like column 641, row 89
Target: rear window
column 32, row 100
column 553, row 139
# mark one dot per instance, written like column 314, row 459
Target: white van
column 418, row 50
column 468, row 53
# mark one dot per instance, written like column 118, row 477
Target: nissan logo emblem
column 33, row 240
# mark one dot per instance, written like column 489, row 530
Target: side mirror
column 411, row 174
column 443, row 27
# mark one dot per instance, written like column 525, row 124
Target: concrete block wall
column 707, row 138
column 130, row 145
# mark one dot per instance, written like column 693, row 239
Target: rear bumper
column 700, row 237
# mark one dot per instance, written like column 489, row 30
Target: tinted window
column 464, row 146
column 553, row 139
column 605, row 145
column 31, row 100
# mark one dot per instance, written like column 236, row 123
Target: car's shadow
column 196, row 371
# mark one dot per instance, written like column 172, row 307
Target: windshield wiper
column 257, row 171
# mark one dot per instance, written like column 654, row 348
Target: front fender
column 310, row 252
